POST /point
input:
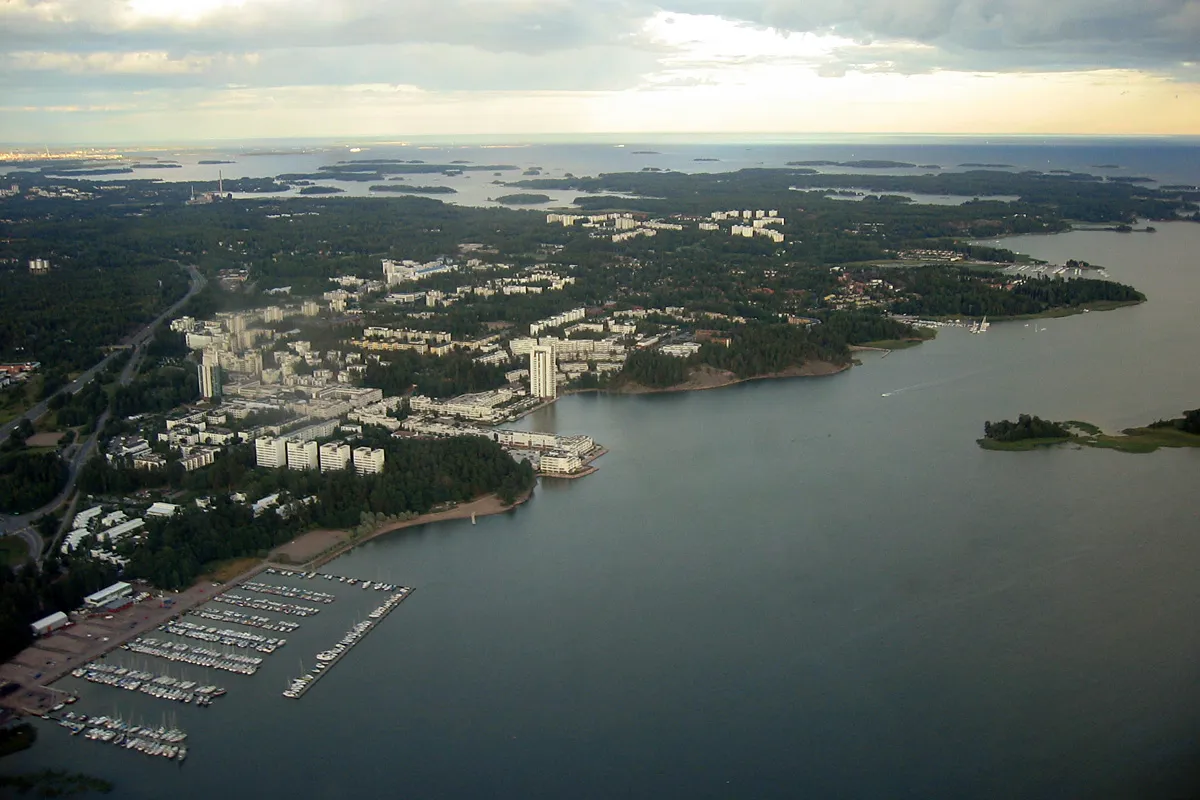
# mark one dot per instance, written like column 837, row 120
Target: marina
column 327, row 658
column 160, row 686
column 160, row 741
column 249, row 620
column 225, row 636
column 266, row 605
column 287, row 591
column 198, row 656
column 361, row 583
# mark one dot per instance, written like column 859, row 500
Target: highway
column 77, row 454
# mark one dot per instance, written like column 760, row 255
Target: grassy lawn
column 1131, row 440
column 1143, row 440
column 13, row 550
column 222, row 571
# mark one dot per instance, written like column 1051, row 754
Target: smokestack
column 220, row 183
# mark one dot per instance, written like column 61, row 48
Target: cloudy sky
column 184, row 70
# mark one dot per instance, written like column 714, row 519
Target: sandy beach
column 318, row 547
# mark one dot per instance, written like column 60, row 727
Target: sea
column 813, row 587
column 1166, row 160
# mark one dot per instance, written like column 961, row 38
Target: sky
column 132, row 71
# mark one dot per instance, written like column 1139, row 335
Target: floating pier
column 160, row 686
column 267, row 605
column 199, row 656
column 327, row 658
column 228, row 615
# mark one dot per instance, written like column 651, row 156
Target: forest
column 1188, row 423
column 944, row 291
column 29, row 480
column 1026, row 427
column 418, row 475
column 1058, row 196
column 432, row 376
column 27, row 595
column 95, row 294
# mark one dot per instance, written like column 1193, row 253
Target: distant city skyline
column 144, row 71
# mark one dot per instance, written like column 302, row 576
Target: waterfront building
column 541, row 372
column 334, row 456
column 107, row 595
column 559, row 463
column 270, row 452
column 302, row 455
column 51, row 623
column 368, row 461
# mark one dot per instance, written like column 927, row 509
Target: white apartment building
column 368, row 461
column 209, row 374
column 541, row 372
column 270, row 452
column 560, row 463
column 302, row 455
column 334, row 456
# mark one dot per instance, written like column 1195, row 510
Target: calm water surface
column 783, row 589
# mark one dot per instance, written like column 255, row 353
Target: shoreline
column 344, row 540
column 51, row 658
column 723, row 379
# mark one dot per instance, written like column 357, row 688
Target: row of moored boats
column 288, row 591
column 198, row 656
column 164, row 742
column 163, row 687
column 228, row 615
column 226, row 636
column 261, row 604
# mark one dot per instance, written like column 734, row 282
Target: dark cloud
column 979, row 35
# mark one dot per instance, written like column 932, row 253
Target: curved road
column 79, row 453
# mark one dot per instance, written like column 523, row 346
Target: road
column 77, row 454
column 136, row 341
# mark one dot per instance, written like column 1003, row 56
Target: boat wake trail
column 933, row 384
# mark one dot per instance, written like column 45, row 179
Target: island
column 321, row 190
column 213, row 161
column 1031, row 433
column 407, row 189
column 645, row 153
column 706, row 159
column 978, row 165
column 523, row 198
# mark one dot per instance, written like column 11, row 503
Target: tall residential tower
column 541, row 372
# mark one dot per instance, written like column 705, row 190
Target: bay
column 778, row 589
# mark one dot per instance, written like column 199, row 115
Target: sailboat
column 981, row 326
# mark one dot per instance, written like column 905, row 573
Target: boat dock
column 198, row 656
column 228, row 615
column 266, row 605
column 161, row 686
column 327, row 658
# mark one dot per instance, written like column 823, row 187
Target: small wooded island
column 1031, row 432
column 523, row 199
